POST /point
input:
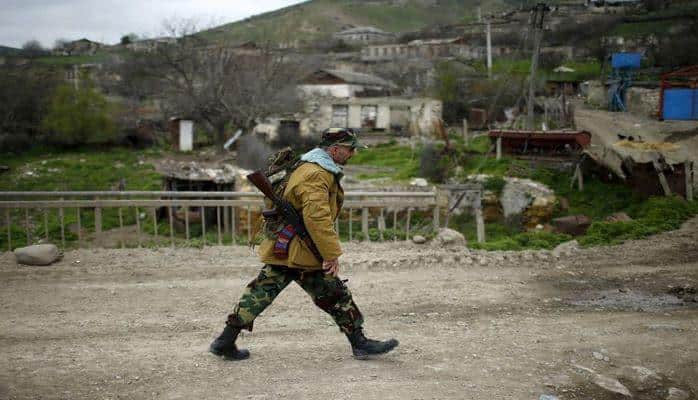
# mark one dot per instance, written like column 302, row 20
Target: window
column 340, row 116
column 369, row 114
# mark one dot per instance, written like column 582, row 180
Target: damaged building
column 336, row 98
column 651, row 169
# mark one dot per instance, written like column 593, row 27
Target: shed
column 678, row 96
column 182, row 131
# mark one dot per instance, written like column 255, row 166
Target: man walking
column 314, row 190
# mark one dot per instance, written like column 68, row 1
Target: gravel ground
column 136, row 324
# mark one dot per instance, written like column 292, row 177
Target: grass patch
column 72, row 60
column 402, row 161
column 83, row 169
column 658, row 214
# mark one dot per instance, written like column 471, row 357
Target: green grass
column 82, row 169
column 401, row 161
column 71, row 60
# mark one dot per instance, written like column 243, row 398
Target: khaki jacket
column 314, row 192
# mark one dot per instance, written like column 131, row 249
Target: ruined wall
column 414, row 115
column 643, row 102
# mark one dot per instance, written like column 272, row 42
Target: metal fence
column 221, row 214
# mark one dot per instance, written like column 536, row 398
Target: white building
column 364, row 35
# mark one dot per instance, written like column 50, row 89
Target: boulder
column 574, row 225
column 677, row 394
column 419, row 239
column 618, row 217
column 419, row 182
column 40, row 254
column 519, row 194
column 449, row 237
column 611, row 384
column 540, row 211
column 567, row 248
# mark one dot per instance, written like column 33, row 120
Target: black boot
column 363, row 347
column 225, row 346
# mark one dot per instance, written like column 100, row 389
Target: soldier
column 313, row 189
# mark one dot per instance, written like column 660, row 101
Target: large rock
column 618, row 217
column 611, row 384
column 449, row 237
column 677, row 394
column 540, row 211
column 527, row 201
column 40, row 254
column 566, row 249
column 574, row 225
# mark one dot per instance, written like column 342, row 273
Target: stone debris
column 611, row 384
column 618, row 217
column 574, row 225
column 642, row 378
column 419, row 239
column 40, row 254
column 677, row 394
column 566, row 249
column 449, row 237
column 419, row 182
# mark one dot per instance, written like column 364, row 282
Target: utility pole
column 489, row 48
column 537, row 27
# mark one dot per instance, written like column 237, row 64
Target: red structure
column 549, row 143
column 678, row 97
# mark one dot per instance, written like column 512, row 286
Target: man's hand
column 331, row 267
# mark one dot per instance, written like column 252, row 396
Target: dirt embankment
column 128, row 324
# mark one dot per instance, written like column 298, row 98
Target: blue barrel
column 626, row 60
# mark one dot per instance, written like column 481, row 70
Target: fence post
column 407, row 226
column 233, row 223
column 79, row 229
column 138, row 227
column 26, row 226
column 218, row 223
column 499, row 148
column 169, row 215
column 203, row 225
column 8, row 220
column 155, row 223
column 351, row 216
column 98, row 218
column 479, row 220
column 61, row 216
column 46, row 224
column 381, row 225
column 121, row 227
column 688, row 171
column 364, row 223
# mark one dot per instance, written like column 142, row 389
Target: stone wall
column 643, row 102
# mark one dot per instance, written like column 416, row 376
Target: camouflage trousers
column 328, row 292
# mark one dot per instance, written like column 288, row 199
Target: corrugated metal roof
column 358, row 78
column 363, row 29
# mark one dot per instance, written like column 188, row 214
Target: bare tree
column 33, row 48
column 219, row 84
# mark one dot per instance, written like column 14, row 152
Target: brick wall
column 643, row 102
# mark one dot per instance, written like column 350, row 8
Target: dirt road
column 136, row 324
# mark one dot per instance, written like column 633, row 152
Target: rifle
column 290, row 214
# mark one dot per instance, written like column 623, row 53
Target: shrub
column 79, row 117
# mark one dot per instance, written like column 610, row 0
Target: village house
column 354, row 100
column 149, row 45
column 343, row 84
column 429, row 49
column 364, row 35
column 82, row 47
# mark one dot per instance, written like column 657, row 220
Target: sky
column 106, row 21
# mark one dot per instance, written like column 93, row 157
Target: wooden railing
column 232, row 209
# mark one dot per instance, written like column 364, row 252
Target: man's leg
column 256, row 297
column 333, row 296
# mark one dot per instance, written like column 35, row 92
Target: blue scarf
column 320, row 157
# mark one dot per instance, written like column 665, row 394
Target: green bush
column 79, row 117
column 656, row 215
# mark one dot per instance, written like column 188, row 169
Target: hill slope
column 9, row 51
column 318, row 19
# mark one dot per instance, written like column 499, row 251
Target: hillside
column 317, row 19
column 9, row 51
